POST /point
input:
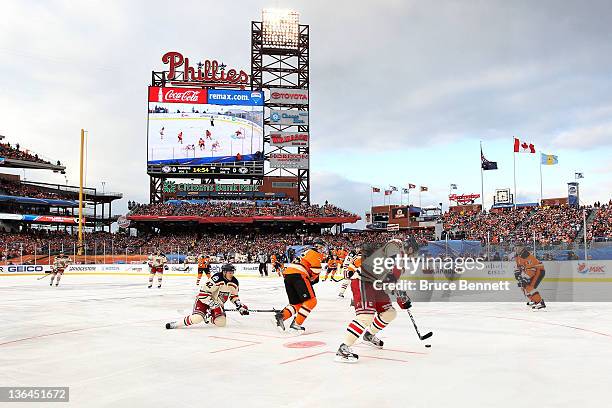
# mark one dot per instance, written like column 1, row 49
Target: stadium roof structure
column 90, row 194
column 39, row 201
column 24, row 164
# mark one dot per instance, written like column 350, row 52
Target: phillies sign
column 299, row 139
column 209, row 71
column 289, row 96
column 177, row 95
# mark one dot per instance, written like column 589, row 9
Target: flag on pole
column 375, row 190
column 405, row 191
column 523, row 147
column 579, row 175
column 411, row 186
column 388, row 192
column 549, row 159
column 453, row 186
column 486, row 164
column 392, row 188
column 423, row 188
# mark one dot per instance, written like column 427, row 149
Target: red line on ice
column 252, row 343
column 71, row 331
column 278, row 337
column 305, row 357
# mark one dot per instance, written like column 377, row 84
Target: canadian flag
column 523, row 147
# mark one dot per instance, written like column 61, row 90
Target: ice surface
column 104, row 337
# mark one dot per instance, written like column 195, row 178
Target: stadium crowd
column 18, row 189
column 241, row 209
column 14, row 152
column 550, row 225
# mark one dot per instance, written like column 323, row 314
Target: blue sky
column 401, row 91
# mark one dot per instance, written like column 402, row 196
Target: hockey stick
column 423, row 337
column 45, row 275
column 255, row 310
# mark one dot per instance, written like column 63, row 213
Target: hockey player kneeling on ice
column 208, row 308
column 60, row 263
column 373, row 308
column 156, row 262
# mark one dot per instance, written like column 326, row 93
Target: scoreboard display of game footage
column 205, row 132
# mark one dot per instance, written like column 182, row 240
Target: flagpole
column 481, row 181
column 541, row 195
column 514, row 166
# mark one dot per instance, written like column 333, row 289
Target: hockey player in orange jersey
column 203, row 268
column 299, row 277
column 332, row 266
column 529, row 274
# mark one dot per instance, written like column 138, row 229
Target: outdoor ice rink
column 104, row 337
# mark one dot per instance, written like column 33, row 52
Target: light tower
column 280, row 61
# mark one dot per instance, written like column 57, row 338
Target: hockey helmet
column 228, row 267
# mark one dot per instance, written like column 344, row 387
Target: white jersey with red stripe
column 219, row 289
column 61, row 262
column 156, row 261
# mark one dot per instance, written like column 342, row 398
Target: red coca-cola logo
column 177, row 95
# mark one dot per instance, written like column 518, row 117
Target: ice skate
column 372, row 340
column 345, row 355
column 297, row 328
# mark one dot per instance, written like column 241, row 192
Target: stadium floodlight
column 280, row 28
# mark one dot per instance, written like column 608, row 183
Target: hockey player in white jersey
column 60, row 263
column 156, row 262
column 190, row 259
column 348, row 269
column 209, row 304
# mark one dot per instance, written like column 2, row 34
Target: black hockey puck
column 428, row 345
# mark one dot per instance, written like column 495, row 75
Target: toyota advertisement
column 205, row 131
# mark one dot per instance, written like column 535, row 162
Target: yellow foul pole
column 80, row 248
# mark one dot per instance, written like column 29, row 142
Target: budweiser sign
column 464, row 198
column 211, row 72
column 177, row 95
column 299, row 139
column 289, row 96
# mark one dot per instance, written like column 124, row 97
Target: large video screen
column 205, row 132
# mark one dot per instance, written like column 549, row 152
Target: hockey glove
column 242, row 308
column 404, row 302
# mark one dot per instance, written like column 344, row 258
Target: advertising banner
column 177, row 95
column 400, row 212
column 289, row 96
column 173, row 187
column 24, row 269
column 287, row 160
column 235, row 97
column 573, row 194
column 39, row 218
column 289, row 139
column 288, row 117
